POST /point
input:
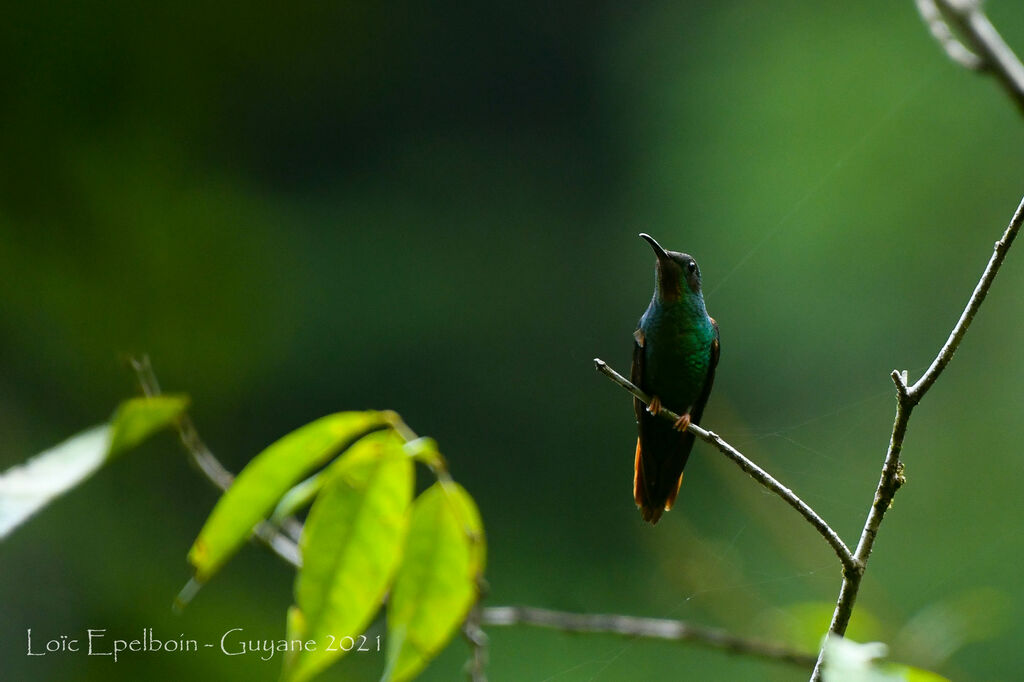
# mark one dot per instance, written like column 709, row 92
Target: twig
column 946, row 353
column 757, row 473
column 907, row 397
column 985, row 50
column 988, row 52
column 284, row 545
column 650, row 628
column 955, row 50
column 476, row 666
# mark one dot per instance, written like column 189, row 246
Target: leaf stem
column 282, row 539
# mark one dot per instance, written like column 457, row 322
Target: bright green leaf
column 437, row 582
column 26, row 488
column 260, row 485
column 137, row 418
column 351, row 546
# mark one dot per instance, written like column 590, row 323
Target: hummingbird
column 675, row 353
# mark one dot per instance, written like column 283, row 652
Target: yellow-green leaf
column 437, row 582
column 351, row 546
column 137, row 418
column 260, row 485
column 26, row 488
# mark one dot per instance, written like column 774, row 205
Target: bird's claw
column 682, row 423
column 654, row 407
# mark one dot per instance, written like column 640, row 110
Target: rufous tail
column 650, row 509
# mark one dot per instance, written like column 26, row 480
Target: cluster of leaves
column 365, row 538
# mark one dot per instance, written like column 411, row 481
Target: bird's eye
column 691, row 267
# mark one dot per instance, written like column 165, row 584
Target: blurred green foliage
column 433, row 209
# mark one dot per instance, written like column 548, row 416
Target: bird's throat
column 668, row 286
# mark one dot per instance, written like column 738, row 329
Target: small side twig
column 964, row 31
column 850, row 565
column 650, row 628
column 476, row 666
column 945, row 354
column 941, row 31
column 907, row 397
column 283, row 540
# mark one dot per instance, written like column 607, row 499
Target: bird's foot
column 654, row 407
column 682, row 423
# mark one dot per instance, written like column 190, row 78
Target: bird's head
column 677, row 274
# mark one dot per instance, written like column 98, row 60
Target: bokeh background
column 433, row 208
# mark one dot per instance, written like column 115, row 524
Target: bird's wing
column 637, row 371
column 636, row 375
column 698, row 407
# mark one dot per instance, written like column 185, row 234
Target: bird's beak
column 658, row 251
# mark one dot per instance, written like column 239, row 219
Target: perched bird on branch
column 674, row 358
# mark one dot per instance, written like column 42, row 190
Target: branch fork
column 892, row 479
column 907, row 397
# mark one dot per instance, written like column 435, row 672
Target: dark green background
column 434, row 209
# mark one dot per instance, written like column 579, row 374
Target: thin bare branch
column 946, row 353
column 756, row 472
column 907, row 397
column 987, row 51
column 476, row 666
column 282, row 540
column 649, row 628
column 957, row 51
column 969, row 38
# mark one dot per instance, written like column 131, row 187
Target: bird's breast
column 677, row 357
